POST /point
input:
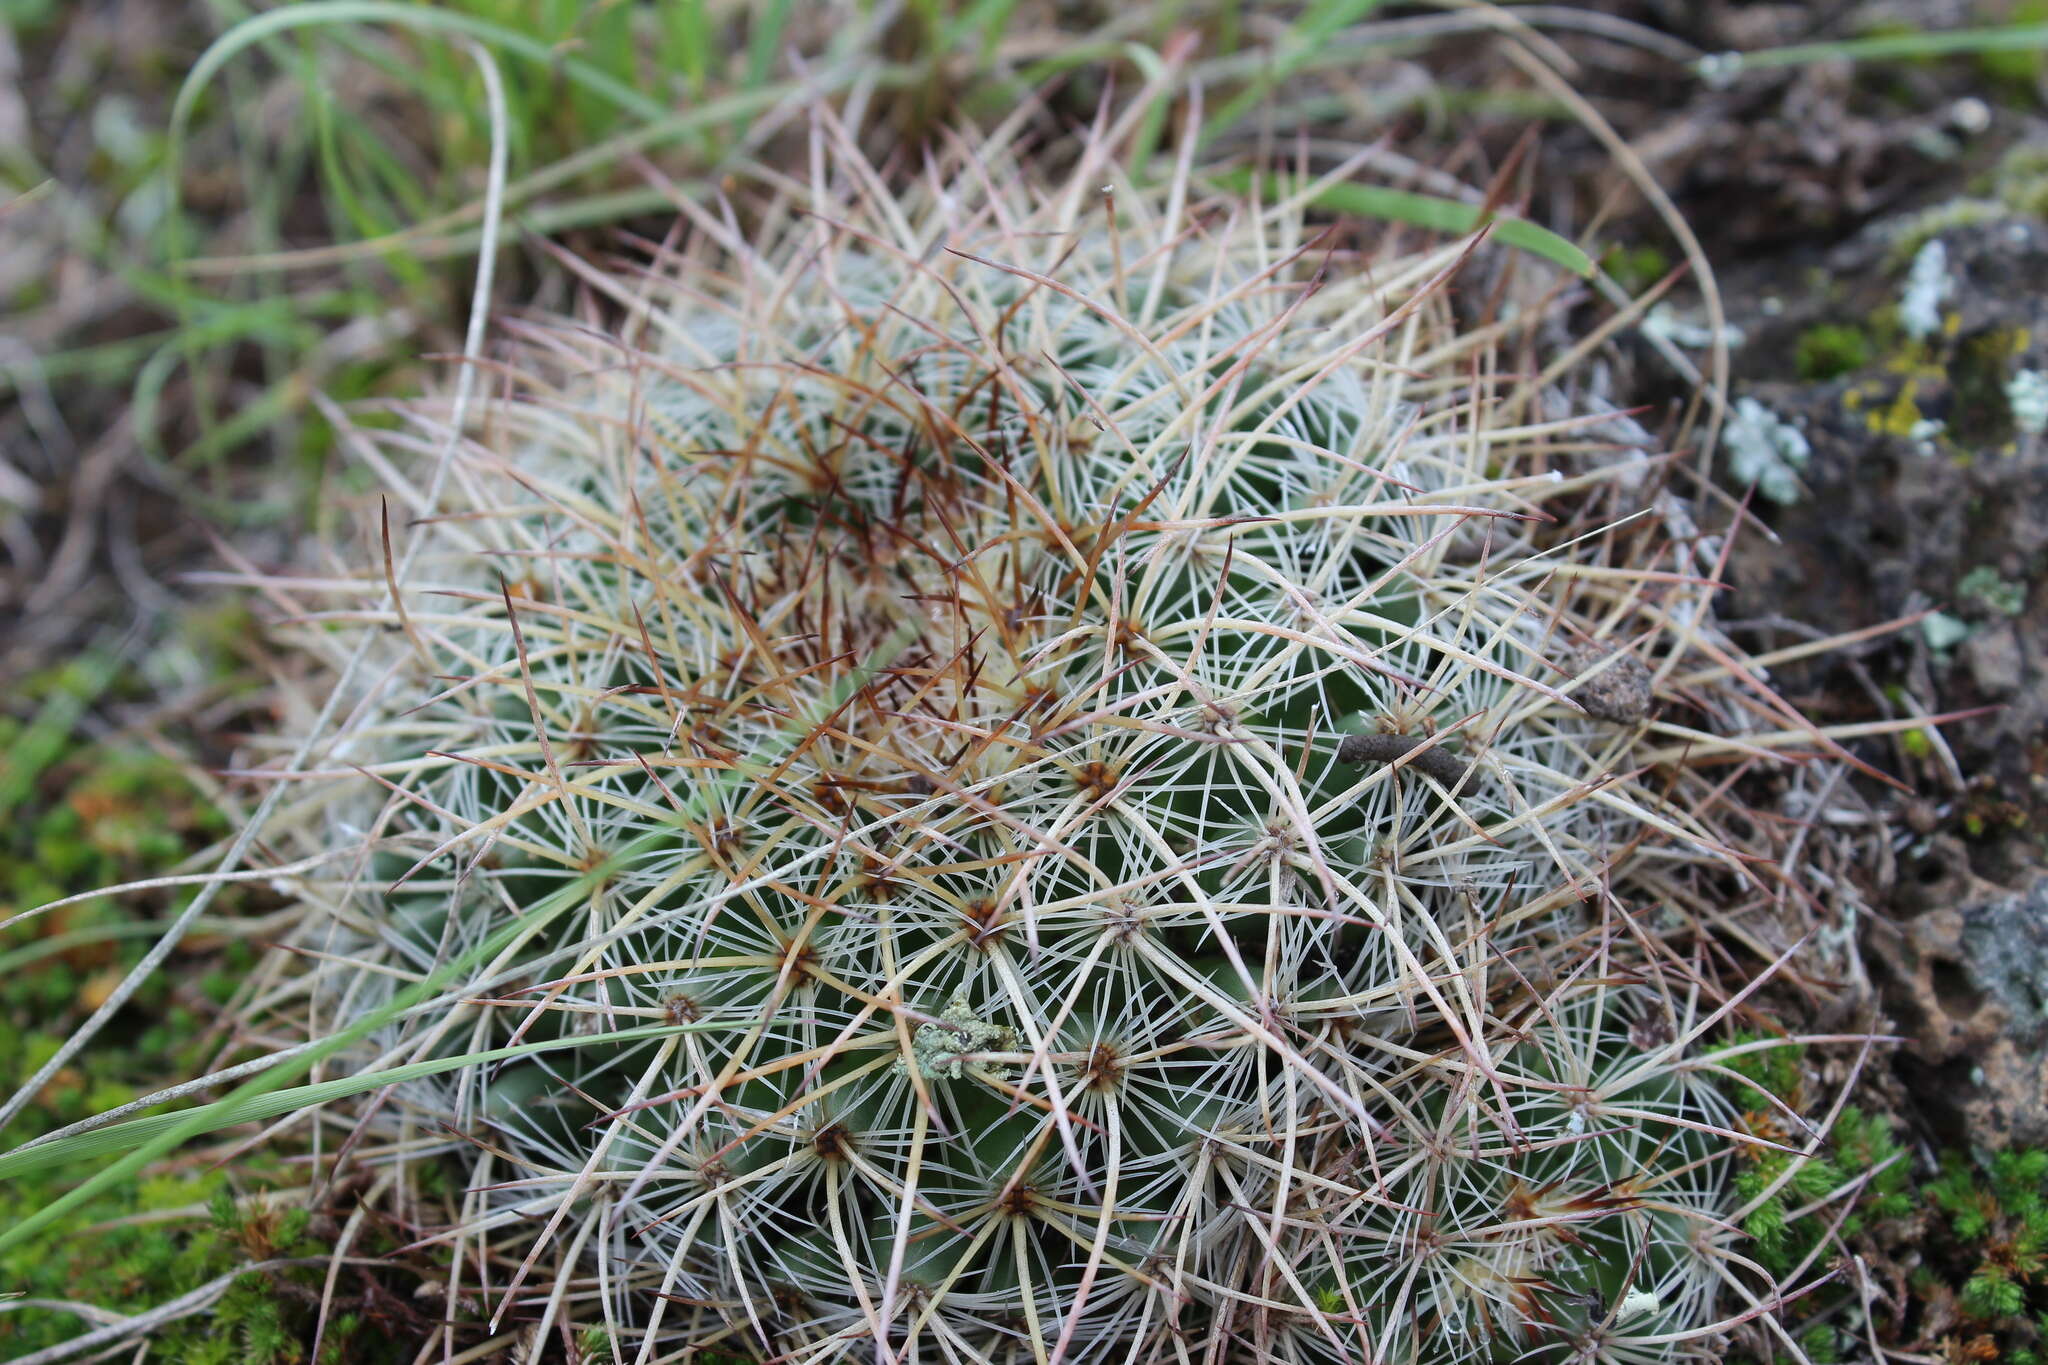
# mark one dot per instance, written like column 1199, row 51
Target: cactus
column 892, row 660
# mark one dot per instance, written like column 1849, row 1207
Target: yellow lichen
column 1901, row 416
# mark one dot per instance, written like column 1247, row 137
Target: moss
column 1916, row 230
column 98, row 817
column 136, row 1263
column 1978, row 1229
column 158, row 1238
column 93, row 815
column 2020, row 181
column 1997, row 1211
column 1831, row 350
column 1635, row 268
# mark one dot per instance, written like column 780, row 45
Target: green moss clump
column 84, row 815
column 1635, row 268
column 99, row 816
column 1996, row 1210
column 162, row 1238
column 1830, row 350
column 1978, row 1227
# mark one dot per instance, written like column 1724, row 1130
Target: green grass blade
column 985, row 20
column 119, row 1137
column 1321, row 23
column 312, row 13
column 769, row 22
column 1883, row 47
column 1429, row 211
column 685, row 44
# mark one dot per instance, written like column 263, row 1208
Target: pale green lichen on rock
column 2026, row 393
column 1911, row 234
column 2018, row 187
column 1943, row 631
column 1684, row 329
column 1766, row 450
column 2021, row 180
column 1981, row 587
column 1928, row 285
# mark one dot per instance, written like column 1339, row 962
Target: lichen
column 2026, row 393
column 1982, row 588
column 941, row 1049
column 1684, row 330
column 1927, row 285
column 1718, row 70
column 1638, row 1302
column 1766, row 450
column 2021, row 180
column 1943, row 632
column 1911, row 234
column 1896, row 413
column 2017, row 187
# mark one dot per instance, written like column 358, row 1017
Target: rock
column 1968, row 966
column 1994, row 660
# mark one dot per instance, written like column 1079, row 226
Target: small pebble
column 1970, row 114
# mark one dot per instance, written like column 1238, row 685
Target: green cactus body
column 951, row 604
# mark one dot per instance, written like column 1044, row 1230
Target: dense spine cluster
column 909, row 650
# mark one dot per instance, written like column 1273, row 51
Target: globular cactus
column 890, row 665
